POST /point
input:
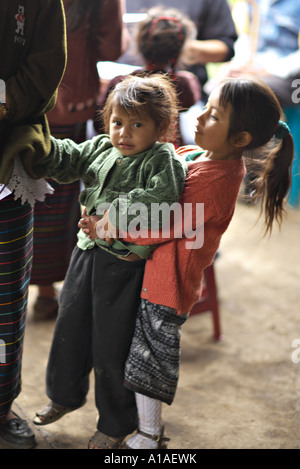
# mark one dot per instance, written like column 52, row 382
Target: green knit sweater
column 117, row 182
column 33, row 56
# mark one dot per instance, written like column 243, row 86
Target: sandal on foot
column 51, row 413
column 101, row 441
column 16, row 433
column 161, row 440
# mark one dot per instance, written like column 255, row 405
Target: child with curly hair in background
column 100, row 295
column 160, row 40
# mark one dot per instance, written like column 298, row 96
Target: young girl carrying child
column 242, row 116
column 98, row 303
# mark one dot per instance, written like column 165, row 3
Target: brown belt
column 131, row 257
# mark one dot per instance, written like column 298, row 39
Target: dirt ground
column 240, row 393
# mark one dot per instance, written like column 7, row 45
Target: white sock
column 150, row 421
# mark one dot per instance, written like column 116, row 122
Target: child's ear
column 163, row 128
column 241, row 139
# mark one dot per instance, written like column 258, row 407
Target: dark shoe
column 51, row 413
column 101, row 441
column 16, row 433
column 45, row 309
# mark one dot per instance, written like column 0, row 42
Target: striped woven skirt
column 16, row 249
column 152, row 365
column 55, row 233
column 55, row 223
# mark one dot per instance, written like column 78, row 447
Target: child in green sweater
column 100, row 295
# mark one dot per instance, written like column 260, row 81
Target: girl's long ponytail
column 256, row 110
column 274, row 183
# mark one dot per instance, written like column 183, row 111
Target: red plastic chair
column 209, row 301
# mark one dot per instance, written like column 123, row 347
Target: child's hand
column 88, row 225
column 105, row 230
column 95, row 227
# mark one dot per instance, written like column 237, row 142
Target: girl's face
column 212, row 130
column 131, row 133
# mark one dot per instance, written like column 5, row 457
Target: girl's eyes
column 211, row 116
column 136, row 124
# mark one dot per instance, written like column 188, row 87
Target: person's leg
column 150, row 433
column 152, row 366
column 115, row 308
column 70, row 359
column 55, row 236
column 16, row 230
column 152, row 369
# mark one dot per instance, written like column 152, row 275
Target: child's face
column 212, row 129
column 131, row 133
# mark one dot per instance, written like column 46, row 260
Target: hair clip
column 282, row 130
column 166, row 18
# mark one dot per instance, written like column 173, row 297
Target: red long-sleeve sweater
column 174, row 273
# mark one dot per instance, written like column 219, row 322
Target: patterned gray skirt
column 152, row 366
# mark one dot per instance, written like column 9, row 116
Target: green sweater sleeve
column 69, row 161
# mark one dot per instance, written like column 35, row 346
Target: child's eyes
column 211, row 116
column 119, row 124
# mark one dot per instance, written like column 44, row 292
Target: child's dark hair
column 154, row 95
column 256, row 110
column 161, row 36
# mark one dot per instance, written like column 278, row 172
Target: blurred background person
column 95, row 31
column 216, row 32
column 160, row 39
column 268, row 44
column 214, row 43
column 268, row 48
column 33, row 53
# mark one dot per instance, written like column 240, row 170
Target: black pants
column 94, row 329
